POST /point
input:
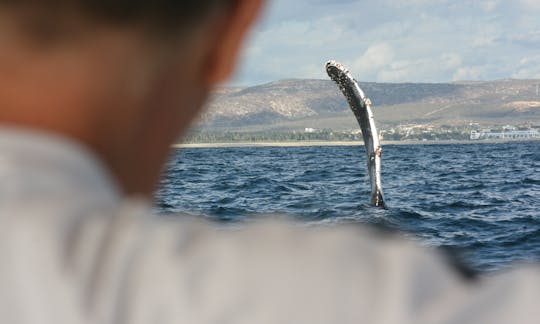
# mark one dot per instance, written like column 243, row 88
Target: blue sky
column 395, row 40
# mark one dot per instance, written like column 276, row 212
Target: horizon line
column 238, row 85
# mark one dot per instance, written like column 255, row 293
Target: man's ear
column 224, row 54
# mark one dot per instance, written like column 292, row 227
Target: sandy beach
column 342, row 143
column 268, row 144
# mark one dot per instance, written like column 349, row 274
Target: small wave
column 530, row 181
column 468, row 196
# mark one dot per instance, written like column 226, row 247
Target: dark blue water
column 480, row 198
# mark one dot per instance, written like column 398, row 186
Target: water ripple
column 482, row 198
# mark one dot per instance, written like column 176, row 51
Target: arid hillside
column 297, row 104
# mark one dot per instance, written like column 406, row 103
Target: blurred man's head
column 125, row 77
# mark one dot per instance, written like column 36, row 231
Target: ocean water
column 482, row 199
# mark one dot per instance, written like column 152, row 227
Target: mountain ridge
column 299, row 103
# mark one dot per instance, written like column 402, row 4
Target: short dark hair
column 156, row 13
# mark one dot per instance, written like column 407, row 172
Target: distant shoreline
column 342, row 143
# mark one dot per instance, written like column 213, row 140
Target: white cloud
column 490, row 5
column 529, row 68
column 414, row 3
column 468, row 73
column 394, row 40
column 531, row 4
column 450, row 60
column 419, row 69
column 375, row 58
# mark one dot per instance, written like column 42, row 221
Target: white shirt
column 73, row 250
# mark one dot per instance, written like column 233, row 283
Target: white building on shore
column 508, row 132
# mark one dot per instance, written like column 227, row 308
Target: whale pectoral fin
column 361, row 107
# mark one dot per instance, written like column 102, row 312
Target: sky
column 395, row 40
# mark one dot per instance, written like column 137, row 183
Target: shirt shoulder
column 269, row 272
